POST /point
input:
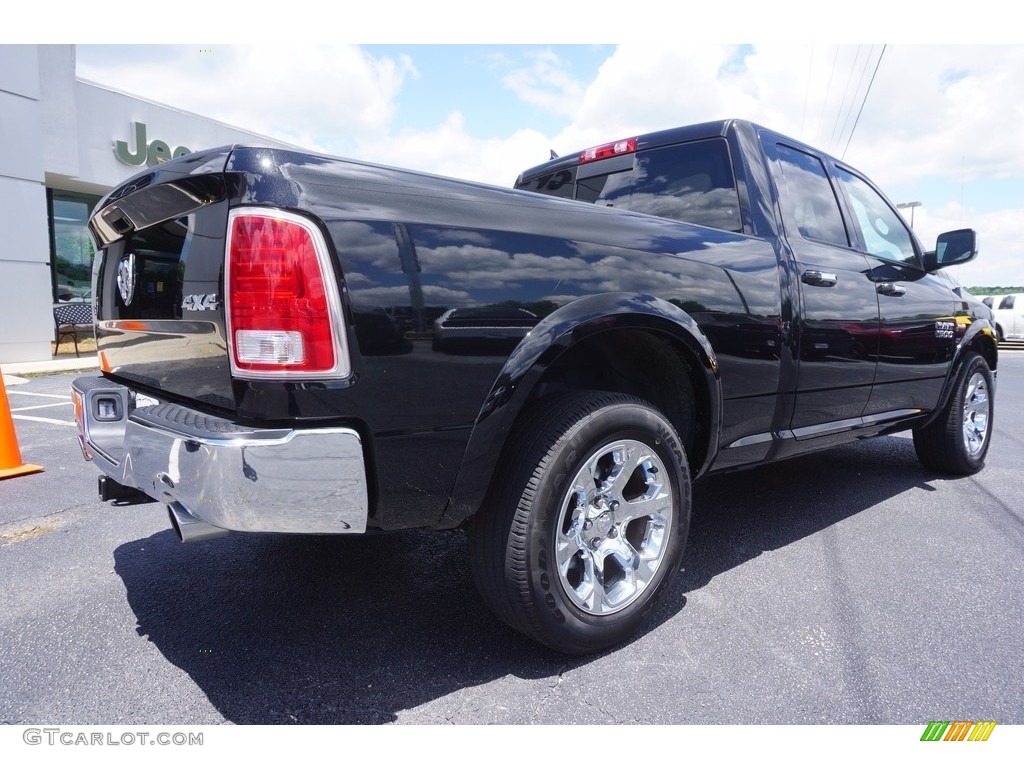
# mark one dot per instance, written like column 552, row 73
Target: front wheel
column 587, row 521
column 956, row 441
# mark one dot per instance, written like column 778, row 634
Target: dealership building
column 63, row 143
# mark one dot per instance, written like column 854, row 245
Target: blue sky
column 935, row 123
column 467, row 78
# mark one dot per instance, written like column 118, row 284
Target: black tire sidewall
column 970, row 463
column 568, row 626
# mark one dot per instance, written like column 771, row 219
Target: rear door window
column 808, row 202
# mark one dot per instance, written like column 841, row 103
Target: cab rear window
column 690, row 182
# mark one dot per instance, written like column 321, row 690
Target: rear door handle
column 891, row 289
column 821, row 279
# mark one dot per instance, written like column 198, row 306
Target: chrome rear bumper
column 224, row 474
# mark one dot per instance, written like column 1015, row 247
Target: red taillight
column 280, row 318
column 620, row 147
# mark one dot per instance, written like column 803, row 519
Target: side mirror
column 956, row 247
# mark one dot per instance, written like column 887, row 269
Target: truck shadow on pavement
column 740, row 516
column 317, row 630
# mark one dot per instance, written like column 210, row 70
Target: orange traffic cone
column 10, row 456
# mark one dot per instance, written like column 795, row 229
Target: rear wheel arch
column 677, row 374
column 646, row 364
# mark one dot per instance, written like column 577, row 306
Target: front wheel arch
column 957, row 440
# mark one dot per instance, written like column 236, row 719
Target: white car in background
column 1009, row 315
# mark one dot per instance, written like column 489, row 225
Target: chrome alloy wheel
column 977, row 409
column 614, row 526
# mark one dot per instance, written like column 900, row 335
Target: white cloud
column 449, row 150
column 642, row 88
column 944, row 111
column 546, row 83
column 315, row 96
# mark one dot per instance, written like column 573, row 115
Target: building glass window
column 71, row 245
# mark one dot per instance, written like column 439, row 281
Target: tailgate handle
column 821, row 279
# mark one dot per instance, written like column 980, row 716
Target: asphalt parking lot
column 850, row 587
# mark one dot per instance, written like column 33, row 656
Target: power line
column 807, row 92
column 860, row 82
column 864, row 101
column 824, row 102
column 842, row 102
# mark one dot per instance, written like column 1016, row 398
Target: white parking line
column 44, row 420
column 63, row 400
column 36, row 407
column 38, row 394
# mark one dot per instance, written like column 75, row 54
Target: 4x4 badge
column 126, row 278
column 200, row 302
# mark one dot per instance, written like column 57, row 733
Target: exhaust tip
column 190, row 529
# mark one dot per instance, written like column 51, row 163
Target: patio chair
column 71, row 319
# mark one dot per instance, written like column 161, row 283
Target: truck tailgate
column 158, row 280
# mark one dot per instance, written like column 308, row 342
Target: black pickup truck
column 304, row 344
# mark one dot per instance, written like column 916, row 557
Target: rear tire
column 586, row 521
column 956, row 442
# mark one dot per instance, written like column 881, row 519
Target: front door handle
column 821, row 279
column 891, row 289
